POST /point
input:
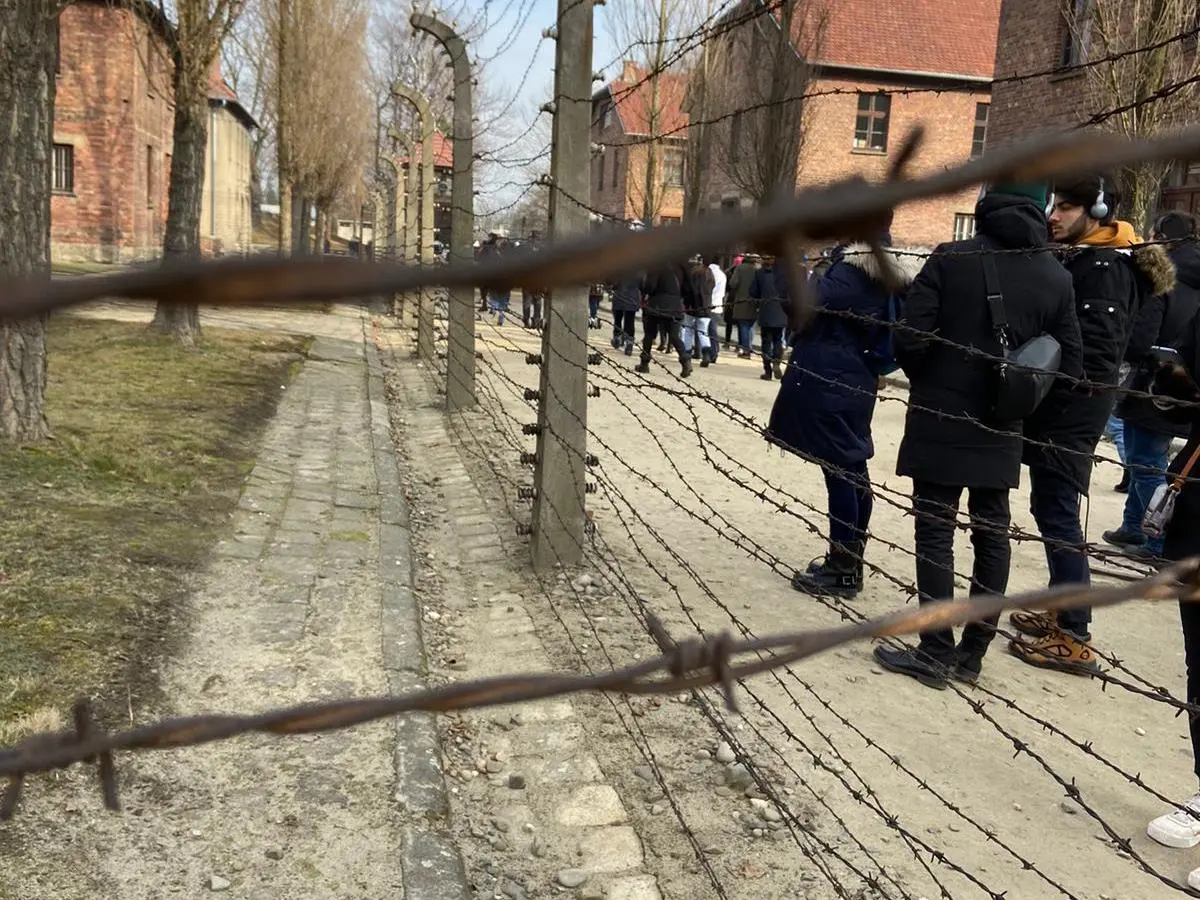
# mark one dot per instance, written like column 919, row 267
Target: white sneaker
column 1179, row 829
column 1194, row 879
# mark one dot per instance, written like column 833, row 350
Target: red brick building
column 631, row 119
column 874, row 71
column 1037, row 37
column 113, row 121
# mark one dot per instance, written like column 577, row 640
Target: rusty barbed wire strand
column 844, row 210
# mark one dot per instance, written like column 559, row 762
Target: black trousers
column 1189, row 613
column 623, row 323
column 668, row 327
column 936, row 507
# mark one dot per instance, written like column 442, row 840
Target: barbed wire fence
column 796, row 724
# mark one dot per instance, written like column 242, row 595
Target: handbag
column 1161, row 507
column 1026, row 373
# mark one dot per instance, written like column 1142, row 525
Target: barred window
column 63, row 179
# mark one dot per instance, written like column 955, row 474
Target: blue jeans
column 695, row 328
column 1054, row 502
column 593, row 307
column 850, row 502
column 498, row 303
column 1146, row 456
column 745, row 334
column 1115, row 432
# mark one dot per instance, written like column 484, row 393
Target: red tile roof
column 632, row 96
column 219, row 89
column 443, row 152
column 945, row 37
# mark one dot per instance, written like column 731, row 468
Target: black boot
column 777, row 368
column 705, row 358
column 686, row 368
column 839, row 575
column 1122, row 486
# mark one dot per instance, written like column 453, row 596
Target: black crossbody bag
column 1025, row 374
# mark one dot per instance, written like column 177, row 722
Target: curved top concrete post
column 428, row 180
column 460, row 359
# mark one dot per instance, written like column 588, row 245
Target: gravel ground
column 887, row 788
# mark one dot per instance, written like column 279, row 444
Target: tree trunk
column 256, row 191
column 182, row 241
column 285, row 210
column 27, row 42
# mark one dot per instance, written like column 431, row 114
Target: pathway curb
column 432, row 865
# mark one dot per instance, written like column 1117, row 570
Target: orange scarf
column 1118, row 234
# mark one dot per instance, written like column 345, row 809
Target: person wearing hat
column 1113, row 274
column 953, row 441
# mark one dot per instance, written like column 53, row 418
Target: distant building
column 443, row 173
column 1038, row 37
column 113, row 122
column 875, row 70
column 630, row 122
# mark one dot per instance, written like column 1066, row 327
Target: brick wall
column 1031, row 40
column 627, row 155
column 116, row 117
column 828, row 152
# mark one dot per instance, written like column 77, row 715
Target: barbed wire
column 684, row 566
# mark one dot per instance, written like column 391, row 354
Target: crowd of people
column 1050, row 267
column 1052, row 270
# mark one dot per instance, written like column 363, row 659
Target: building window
column 964, row 226
column 672, row 166
column 1077, row 32
column 871, row 123
column 616, row 165
column 64, row 169
column 149, row 175
column 979, row 137
column 600, row 179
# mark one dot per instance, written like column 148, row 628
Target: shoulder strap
column 1182, row 477
column 995, row 297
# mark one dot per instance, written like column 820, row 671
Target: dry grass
column 102, row 524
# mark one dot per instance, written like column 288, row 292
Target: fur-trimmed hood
column 904, row 262
column 1153, row 261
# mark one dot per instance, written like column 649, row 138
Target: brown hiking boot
column 1033, row 623
column 1060, row 651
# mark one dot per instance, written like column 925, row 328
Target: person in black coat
column 1164, row 321
column 1181, row 828
column 626, row 301
column 663, row 290
column 827, row 398
column 952, row 439
column 770, row 291
column 1114, row 274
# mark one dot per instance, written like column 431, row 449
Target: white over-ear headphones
column 1099, row 210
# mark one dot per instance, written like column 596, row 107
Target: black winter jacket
column 663, row 289
column 770, row 290
column 1183, row 532
column 1111, row 285
column 1165, row 321
column 950, row 435
column 698, row 290
column 627, row 294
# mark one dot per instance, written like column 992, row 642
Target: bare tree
column 28, row 38
column 762, row 71
column 651, row 33
column 195, row 44
column 245, row 64
column 1155, row 90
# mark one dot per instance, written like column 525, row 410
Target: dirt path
column 289, row 611
column 884, row 776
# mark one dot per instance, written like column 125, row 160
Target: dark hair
column 1084, row 190
column 1175, row 226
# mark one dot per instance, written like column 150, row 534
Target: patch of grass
column 349, row 536
column 101, row 525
